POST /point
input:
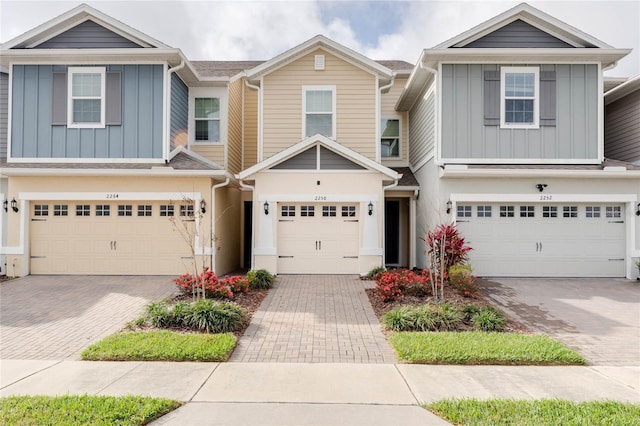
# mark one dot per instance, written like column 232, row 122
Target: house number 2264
column 112, row 196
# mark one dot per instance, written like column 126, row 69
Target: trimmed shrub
column 376, row 273
column 215, row 317
column 393, row 284
column 455, row 248
column 237, row 284
column 463, row 281
column 260, row 279
column 488, row 319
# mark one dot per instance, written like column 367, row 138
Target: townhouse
column 124, row 157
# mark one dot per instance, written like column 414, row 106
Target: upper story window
column 319, row 111
column 519, row 93
column 208, row 115
column 86, row 97
column 390, row 137
column 207, row 119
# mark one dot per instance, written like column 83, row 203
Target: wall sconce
column 370, row 208
column 5, row 204
column 541, row 186
column 203, row 206
column 265, row 206
column 14, row 205
column 449, row 205
column 637, row 210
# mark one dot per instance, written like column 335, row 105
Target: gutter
column 538, row 173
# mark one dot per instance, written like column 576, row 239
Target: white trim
column 105, row 196
column 71, row 71
column 378, row 120
column 460, row 171
column 543, row 198
column 600, row 123
column 588, row 161
column 154, row 171
column 166, row 111
column 536, row 97
column 622, row 90
column 77, row 160
column 209, row 92
column 437, row 146
column 9, row 112
column 311, row 198
column 323, row 88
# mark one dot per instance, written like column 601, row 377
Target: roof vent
column 319, row 63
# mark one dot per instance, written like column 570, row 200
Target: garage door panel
column 114, row 245
column 571, row 245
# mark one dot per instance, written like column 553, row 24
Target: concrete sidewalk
column 270, row 393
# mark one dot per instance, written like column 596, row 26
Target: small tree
column 445, row 248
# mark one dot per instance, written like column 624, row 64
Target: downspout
column 167, row 141
column 213, row 221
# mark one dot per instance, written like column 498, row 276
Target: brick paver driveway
column 56, row 317
column 315, row 318
column 598, row 317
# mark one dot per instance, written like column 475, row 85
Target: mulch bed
column 380, row 308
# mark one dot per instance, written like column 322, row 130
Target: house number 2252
column 112, row 196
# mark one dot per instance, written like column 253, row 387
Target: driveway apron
column 599, row 317
column 315, row 318
column 56, row 317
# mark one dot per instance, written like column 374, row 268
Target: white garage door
column 533, row 240
column 126, row 238
column 318, row 238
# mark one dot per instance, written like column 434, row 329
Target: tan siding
column 355, row 104
column 214, row 153
column 388, row 108
column 235, row 126
column 250, row 127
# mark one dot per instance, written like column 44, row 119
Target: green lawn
column 161, row 345
column 83, row 410
column 545, row 412
column 476, row 347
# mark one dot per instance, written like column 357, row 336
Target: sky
column 260, row 30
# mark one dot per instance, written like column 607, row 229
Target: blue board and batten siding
column 179, row 112
column 465, row 135
column 88, row 35
column 139, row 136
column 4, row 114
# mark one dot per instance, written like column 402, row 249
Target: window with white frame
column 483, row 211
column 506, row 211
column 207, row 119
column 463, row 211
column 613, row 212
column 592, row 211
column 390, row 137
column 86, row 97
column 319, row 110
column 519, row 93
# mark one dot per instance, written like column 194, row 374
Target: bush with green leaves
column 429, row 317
column 488, row 319
column 260, row 279
column 215, row 317
column 462, row 280
column 159, row 315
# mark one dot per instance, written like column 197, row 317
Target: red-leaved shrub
column 455, row 249
column 393, row 284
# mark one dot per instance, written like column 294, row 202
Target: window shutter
column 547, row 98
column 492, row 98
column 113, row 101
column 59, row 99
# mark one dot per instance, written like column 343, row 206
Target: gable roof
column 324, row 43
column 532, row 16
column 71, row 19
column 622, row 90
column 330, row 144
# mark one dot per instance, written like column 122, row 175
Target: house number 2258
column 320, row 198
column 112, row 196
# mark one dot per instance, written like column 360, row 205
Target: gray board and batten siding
column 518, row 34
column 422, row 131
column 88, row 35
column 308, row 160
column 572, row 134
column 622, row 129
column 134, row 115
column 179, row 111
column 4, row 114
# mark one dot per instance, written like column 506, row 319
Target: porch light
column 637, row 210
column 449, row 205
column 5, row 204
column 370, row 208
column 265, row 206
column 14, row 205
column 203, row 206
